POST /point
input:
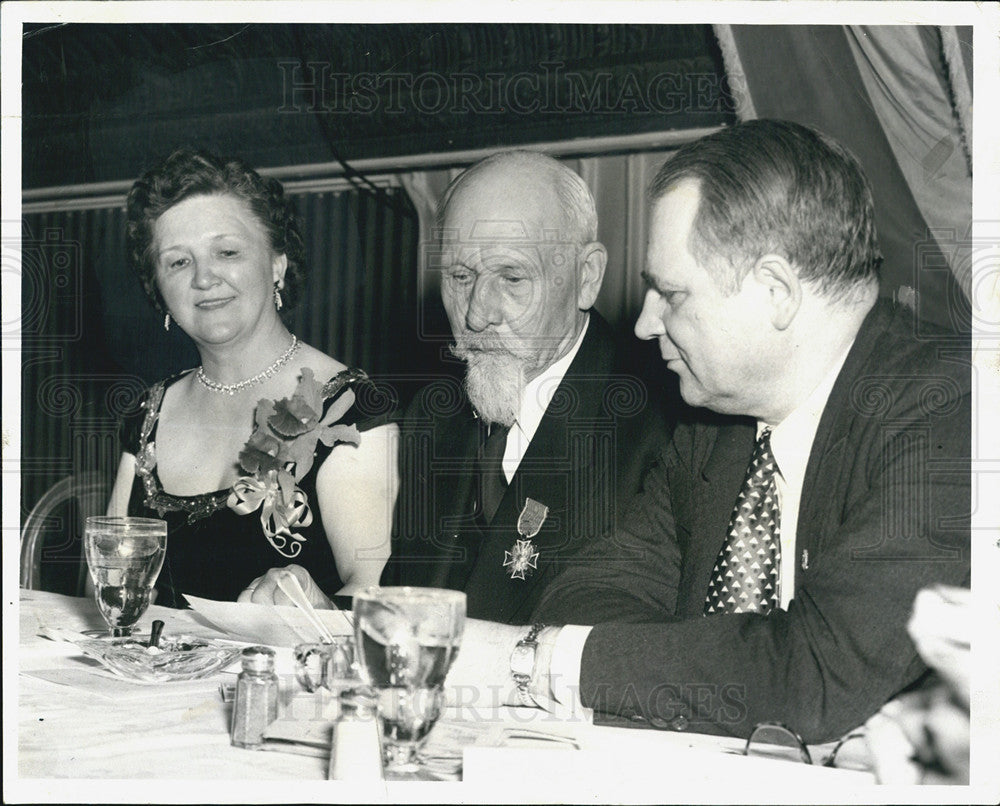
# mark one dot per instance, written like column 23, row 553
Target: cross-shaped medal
column 522, row 559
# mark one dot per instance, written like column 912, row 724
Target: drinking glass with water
column 407, row 639
column 124, row 556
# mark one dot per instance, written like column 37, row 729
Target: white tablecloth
column 123, row 741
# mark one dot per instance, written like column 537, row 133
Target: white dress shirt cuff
column 564, row 670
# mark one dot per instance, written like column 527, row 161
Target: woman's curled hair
column 187, row 173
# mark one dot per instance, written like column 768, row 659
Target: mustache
column 485, row 342
column 472, row 345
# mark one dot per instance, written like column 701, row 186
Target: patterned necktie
column 491, row 476
column 745, row 576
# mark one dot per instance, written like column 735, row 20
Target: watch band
column 522, row 663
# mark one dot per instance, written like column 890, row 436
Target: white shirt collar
column 792, row 438
column 539, row 391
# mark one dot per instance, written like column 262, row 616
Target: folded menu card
column 268, row 624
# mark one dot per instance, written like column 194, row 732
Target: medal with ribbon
column 522, row 559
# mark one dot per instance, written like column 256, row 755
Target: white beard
column 494, row 376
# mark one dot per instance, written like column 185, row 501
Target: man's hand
column 264, row 589
column 480, row 676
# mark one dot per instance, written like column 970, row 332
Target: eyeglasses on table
column 776, row 734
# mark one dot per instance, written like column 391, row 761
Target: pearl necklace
column 233, row 388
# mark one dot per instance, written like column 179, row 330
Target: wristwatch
column 522, row 663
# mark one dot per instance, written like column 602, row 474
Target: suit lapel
column 457, row 531
column 546, row 467
column 825, row 465
column 549, row 474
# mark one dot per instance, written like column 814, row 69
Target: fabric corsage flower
column 281, row 451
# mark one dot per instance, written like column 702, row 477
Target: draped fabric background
column 899, row 97
column 91, row 341
column 917, row 104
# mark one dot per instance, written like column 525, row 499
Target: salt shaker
column 355, row 746
column 256, row 704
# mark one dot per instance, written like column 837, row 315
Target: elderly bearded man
column 768, row 569
column 505, row 483
column 502, row 482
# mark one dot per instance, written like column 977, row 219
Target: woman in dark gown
column 258, row 458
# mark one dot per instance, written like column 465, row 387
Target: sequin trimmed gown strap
column 212, row 551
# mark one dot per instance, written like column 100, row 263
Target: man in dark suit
column 768, row 569
column 505, row 480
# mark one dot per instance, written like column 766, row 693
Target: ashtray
column 178, row 657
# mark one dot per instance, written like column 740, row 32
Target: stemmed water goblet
column 407, row 639
column 124, row 555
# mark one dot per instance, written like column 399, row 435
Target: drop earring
column 166, row 322
column 277, row 296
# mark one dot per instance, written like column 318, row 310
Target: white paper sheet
column 268, row 624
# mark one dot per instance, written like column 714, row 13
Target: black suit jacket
column 603, row 429
column 884, row 512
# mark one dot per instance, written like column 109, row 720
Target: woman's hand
column 264, row 589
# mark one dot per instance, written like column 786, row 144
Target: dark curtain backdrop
column 100, row 99
column 91, row 342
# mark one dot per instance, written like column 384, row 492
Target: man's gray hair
column 575, row 198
